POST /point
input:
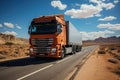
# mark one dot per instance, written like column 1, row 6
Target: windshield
column 43, row 28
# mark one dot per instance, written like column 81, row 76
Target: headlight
column 31, row 50
column 53, row 50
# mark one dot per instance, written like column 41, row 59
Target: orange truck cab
column 51, row 36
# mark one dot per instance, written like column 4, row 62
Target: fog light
column 53, row 51
column 31, row 50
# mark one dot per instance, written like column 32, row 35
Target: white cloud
column 9, row 25
column 89, row 10
column 110, row 26
column 101, row 4
column 107, row 6
column 94, row 35
column 116, row 1
column 58, row 3
column 78, row 4
column 103, row 0
column 1, row 25
column 10, row 33
column 96, row 1
column 85, row 11
column 109, row 18
column 17, row 26
column 98, row 15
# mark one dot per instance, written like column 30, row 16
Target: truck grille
column 42, row 45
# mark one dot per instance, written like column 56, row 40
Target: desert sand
column 103, row 64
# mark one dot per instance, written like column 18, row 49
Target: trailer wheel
column 63, row 53
column 72, row 52
column 80, row 48
column 74, row 49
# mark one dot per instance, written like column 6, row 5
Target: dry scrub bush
column 112, row 60
column 9, row 43
column 2, row 57
column 118, row 51
column 117, row 56
column 117, row 71
column 112, row 48
column 110, row 52
column 27, row 54
column 106, row 49
column 3, row 52
column 101, row 52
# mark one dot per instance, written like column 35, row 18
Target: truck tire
column 73, row 52
column 63, row 53
column 74, row 49
column 80, row 48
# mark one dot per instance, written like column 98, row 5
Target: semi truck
column 53, row 36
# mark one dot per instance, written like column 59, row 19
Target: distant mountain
column 10, row 38
column 6, row 37
column 101, row 41
column 108, row 39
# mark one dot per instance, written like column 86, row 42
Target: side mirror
column 28, row 32
column 29, row 29
column 59, row 28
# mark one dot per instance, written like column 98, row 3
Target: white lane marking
column 34, row 72
column 63, row 60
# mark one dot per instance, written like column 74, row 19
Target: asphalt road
column 43, row 68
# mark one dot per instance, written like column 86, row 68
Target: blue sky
column 92, row 18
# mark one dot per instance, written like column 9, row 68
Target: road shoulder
column 97, row 67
